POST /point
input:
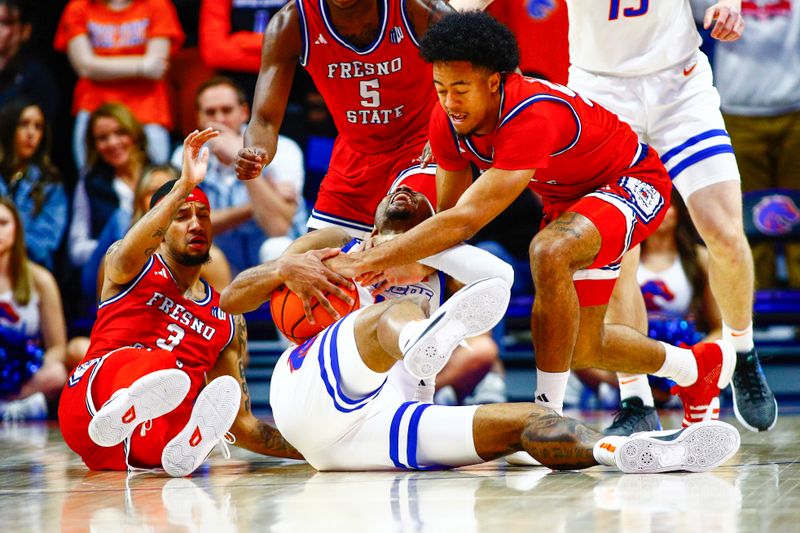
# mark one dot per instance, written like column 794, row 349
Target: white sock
column 631, row 385
column 679, row 365
column 742, row 339
column 550, row 389
column 409, row 330
column 603, row 450
column 425, row 390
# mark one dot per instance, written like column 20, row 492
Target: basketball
column 287, row 312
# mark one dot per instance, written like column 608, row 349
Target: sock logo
column 196, row 437
column 542, row 398
column 129, row 416
column 607, row 446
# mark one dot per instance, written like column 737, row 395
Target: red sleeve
column 165, row 23
column 219, row 48
column 529, row 139
column 443, row 144
column 72, row 24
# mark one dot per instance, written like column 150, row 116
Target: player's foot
column 148, row 397
column 634, row 416
column 522, row 458
column 473, row 310
column 491, row 389
column 33, row 407
column 753, row 402
column 697, row 448
column 212, row 416
column 715, row 364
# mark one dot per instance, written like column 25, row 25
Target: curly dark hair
column 471, row 36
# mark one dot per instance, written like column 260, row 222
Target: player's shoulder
column 284, row 29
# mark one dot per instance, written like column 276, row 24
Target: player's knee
column 726, row 242
column 549, row 257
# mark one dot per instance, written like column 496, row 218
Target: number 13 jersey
column 630, row 37
column 380, row 96
column 151, row 313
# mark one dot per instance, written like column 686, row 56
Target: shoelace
column 227, row 438
column 628, row 416
column 751, row 378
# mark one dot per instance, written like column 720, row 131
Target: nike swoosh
column 687, row 71
column 626, row 381
column 734, row 334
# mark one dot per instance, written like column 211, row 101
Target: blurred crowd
column 96, row 95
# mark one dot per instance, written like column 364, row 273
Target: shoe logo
column 542, row 398
column 196, row 438
column 609, row 447
column 320, row 40
column 129, row 415
column 687, row 71
column 626, row 381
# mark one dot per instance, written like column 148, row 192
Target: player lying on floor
column 334, row 399
column 139, row 398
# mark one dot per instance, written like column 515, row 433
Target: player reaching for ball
column 139, row 398
column 340, row 397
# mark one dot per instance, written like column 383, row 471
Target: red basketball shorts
column 625, row 212
column 356, row 183
column 92, row 383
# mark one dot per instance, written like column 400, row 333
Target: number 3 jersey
column 380, row 96
column 151, row 313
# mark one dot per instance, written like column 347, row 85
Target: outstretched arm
column 125, row 258
column 279, row 55
column 250, row 432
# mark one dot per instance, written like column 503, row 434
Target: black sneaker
column 634, row 416
column 753, row 401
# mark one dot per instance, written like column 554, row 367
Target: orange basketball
column 287, row 312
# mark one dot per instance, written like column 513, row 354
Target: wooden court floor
column 44, row 487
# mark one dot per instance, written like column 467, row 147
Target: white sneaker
column 148, row 397
column 212, row 416
column 473, row 310
column 33, row 407
column 698, row 448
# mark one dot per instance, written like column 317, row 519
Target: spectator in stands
column 230, row 37
column 21, row 73
column 253, row 220
column 473, row 375
column 30, row 179
column 33, row 335
column 116, row 157
column 758, row 78
column 120, row 50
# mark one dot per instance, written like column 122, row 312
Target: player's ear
column 494, row 82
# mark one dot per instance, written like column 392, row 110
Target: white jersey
column 433, row 287
column 630, row 37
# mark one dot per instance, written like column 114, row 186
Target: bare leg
column 716, row 211
column 378, row 327
column 555, row 441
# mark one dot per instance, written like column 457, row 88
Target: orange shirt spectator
column 540, row 27
column 120, row 51
column 226, row 47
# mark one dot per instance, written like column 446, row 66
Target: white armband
column 467, row 263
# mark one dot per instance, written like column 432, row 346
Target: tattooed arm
column 250, row 432
column 125, row 258
column 558, row 442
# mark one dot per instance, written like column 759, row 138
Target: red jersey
column 575, row 145
column 380, row 96
column 151, row 313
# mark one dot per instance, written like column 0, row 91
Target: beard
column 399, row 213
column 192, row 260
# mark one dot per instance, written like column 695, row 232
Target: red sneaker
column 715, row 364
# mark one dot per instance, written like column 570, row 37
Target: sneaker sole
column 522, row 458
column 151, row 396
column 212, row 415
column 744, row 422
column 473, row 310
column 697, row 448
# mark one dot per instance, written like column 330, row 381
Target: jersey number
column 173, row 340
column 369, row 96
column 613, row 13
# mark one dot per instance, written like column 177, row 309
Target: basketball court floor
column 45, row 487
